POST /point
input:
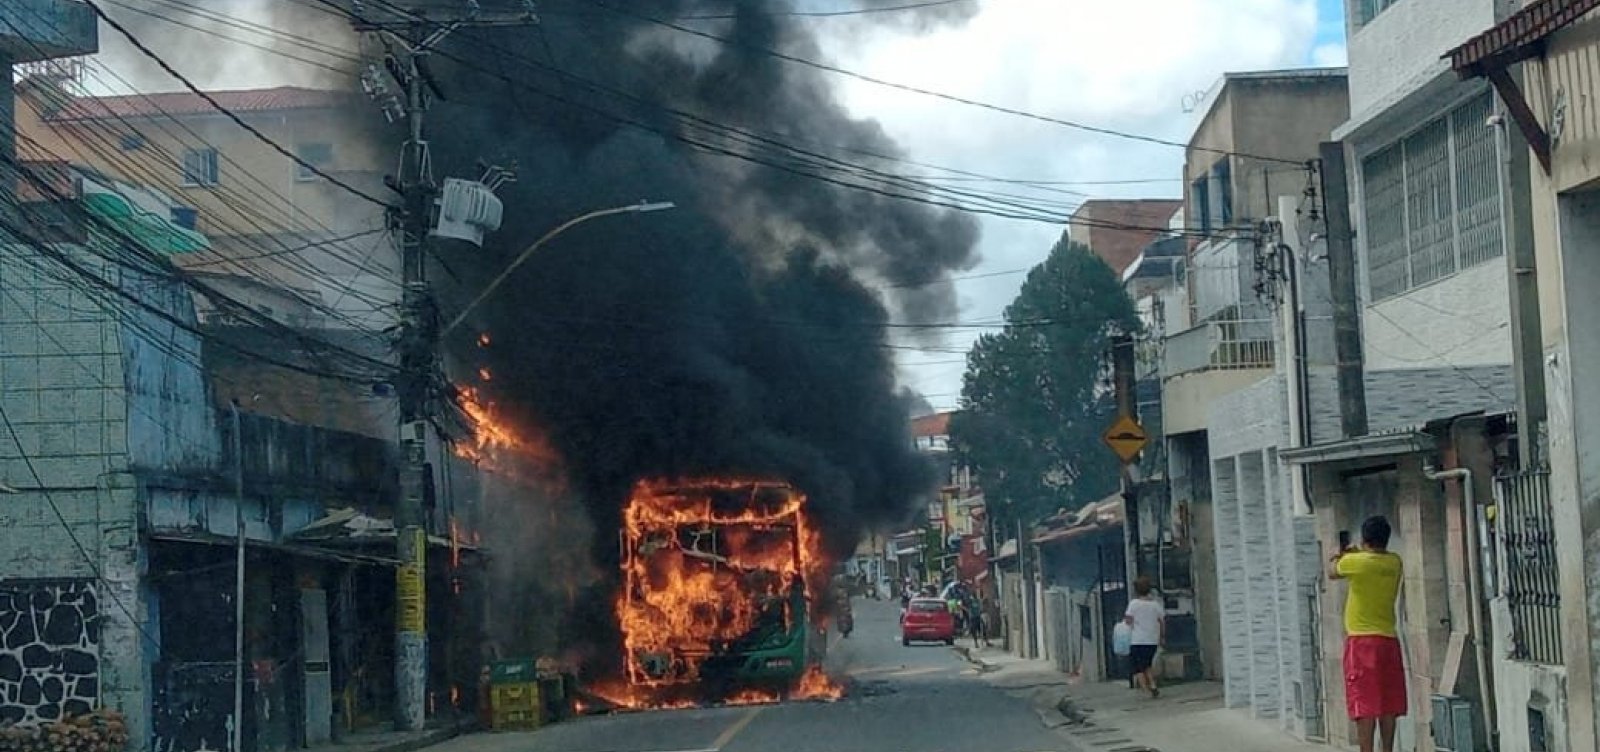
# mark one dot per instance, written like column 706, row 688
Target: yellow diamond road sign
column 1125, row 437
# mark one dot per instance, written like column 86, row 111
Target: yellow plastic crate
column 514, row 720
column 510, row 697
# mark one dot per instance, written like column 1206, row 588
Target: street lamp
column 640, row 207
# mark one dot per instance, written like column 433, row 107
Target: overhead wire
column 255, row 201
column 138, row 171
column 830, row 13
column 252, row 130
column 108, row 588
column 948, row 324
column 797, row 60
column 992, row 207
column 109, row 154
column 563, row 77
column 131, row 8
column 130, row 254
column 717, row 129
column 289, row 250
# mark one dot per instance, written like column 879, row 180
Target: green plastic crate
column 515, row 671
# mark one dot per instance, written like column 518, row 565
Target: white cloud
column 1330, row 54
column 1124, row 65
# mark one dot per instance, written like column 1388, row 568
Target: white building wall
column 1266, row 563
column 1405, row 42
column 1460, row 321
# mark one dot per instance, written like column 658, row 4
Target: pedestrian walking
column 1374, row 665
column 1146, row 618
column 975, row 622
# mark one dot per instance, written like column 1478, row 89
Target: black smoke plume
column 743, row 332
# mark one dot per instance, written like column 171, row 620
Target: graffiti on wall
column 49, row 650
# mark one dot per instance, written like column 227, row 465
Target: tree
column 1035, row 397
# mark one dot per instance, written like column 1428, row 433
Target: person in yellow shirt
column 1374, row 667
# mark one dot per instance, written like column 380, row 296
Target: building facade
column 295, row 242
column 1414, row 418
column 1540, row 63
column 1224, row 414
column 1117, row 230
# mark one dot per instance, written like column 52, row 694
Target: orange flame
column 494, row 439
column 708, row 563
column 815, row 685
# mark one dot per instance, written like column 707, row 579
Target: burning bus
column 716, row 600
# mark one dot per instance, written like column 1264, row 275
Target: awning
column 1519, row 37
column 1007, row 550
column 348, row 527
column 1058, row 536
column 1360, row 447
column 293, row 549
column 1522, row 36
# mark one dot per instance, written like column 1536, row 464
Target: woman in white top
column 1147, row 618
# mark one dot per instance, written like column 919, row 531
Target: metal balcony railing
column 1219, row 345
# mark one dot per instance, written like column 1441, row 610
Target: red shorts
column 1374, row 677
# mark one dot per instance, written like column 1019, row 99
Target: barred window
column 1432, row 202
column 1477, row 184
column 1366, row 10
column 1429, row 208
column 1383, row 178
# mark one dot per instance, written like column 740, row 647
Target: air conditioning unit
column 467, row 210
column 1455, row 725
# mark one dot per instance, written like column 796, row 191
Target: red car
column 928, row 619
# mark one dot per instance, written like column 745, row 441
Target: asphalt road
column 923, row 698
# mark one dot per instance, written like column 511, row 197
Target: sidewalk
column 395, row 741
column 1097, row 716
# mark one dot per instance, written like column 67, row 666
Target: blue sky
column 1330, row 24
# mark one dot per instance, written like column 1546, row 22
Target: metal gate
column 1528, row 551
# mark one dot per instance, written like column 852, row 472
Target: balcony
column 1219, row 345
column 1208, row 361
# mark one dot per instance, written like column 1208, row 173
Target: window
column 1211, row 197
column 1432, row 202
column 199, row 167
column 316, row 155
column 1366, row 10
column 1200, row 203
column 1222, row 180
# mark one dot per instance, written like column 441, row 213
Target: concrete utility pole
column 238, row 579
column 416, row 36
column 1125, row 385
column 1527, row 343
column 1350, row 368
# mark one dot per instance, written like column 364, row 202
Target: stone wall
column 49, row 650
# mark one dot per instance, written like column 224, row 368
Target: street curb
column 966, row 654
column 429, row 739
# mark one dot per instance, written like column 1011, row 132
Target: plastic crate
column 509, row 697
column 518, row 671
column 515, row 720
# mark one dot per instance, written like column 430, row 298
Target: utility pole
column 409, row 40
column 1350, row 366
column 238, row 579
column 1124, row 379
